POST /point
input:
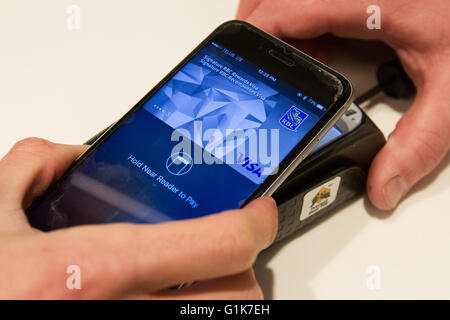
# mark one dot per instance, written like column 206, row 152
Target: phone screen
column 201, row 144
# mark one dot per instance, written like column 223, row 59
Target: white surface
column 66, row 85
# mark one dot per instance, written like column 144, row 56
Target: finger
column 246, row 7
column 318, row 48
column 31, row 166
column 417, row 145
column 141, row 258
column 242, row 286
column 28, row 169
column 310, row 19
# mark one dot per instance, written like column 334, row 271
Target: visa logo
column 293, row 118
column 248, row 164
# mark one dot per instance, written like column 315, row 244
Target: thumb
column 416, row 146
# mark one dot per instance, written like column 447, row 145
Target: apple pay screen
column 201, row 144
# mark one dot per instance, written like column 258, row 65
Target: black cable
column 392, row 80
column 368, row 94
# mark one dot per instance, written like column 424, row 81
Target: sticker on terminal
column 319, row 198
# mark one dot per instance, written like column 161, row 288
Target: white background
column 66, row 85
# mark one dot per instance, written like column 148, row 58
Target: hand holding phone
column 116, row 261
column 167, row 160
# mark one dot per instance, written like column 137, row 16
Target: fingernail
column 270, row 201
column 394, row 190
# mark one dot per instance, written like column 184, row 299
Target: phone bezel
column 243, row 31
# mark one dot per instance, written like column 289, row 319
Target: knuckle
column 33, row 146
column 45, row 267
column 61, row 258
column 93, row 266
column 56, row 262
column 32, row 143
column 429, row 148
